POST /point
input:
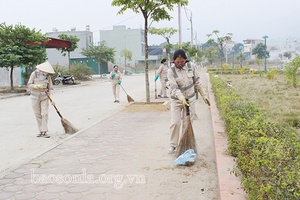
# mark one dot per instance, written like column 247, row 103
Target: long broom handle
column 123, row 89
column 187, row 108
column 53, row 104
column 155, row 91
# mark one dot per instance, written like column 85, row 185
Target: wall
column 121, row 38
column 91, row 63
column 5, row 77
column 55, row 56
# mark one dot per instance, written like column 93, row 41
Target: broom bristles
column 69, row 128
column 187, row 140
column 129, row 99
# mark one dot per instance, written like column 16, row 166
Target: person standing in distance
column 184, row 81
column 162, row 74
column 116, row 81
column 38, row 84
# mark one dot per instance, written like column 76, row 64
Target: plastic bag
column 187, row 158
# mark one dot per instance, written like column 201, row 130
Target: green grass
column 278, row 101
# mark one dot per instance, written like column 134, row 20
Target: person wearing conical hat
column 39, row 82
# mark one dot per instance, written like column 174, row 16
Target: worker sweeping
column 116, row 81
column 39, row 82
column 183, row 80
column 162, row 74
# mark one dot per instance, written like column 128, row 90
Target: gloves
column 156, row 77
column 204, row 97
column 119, row 82
column 181, row 97
column 39, row 86
column 113, row 75
column 35, row 86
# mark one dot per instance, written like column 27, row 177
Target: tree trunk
column 146, row 61
column 169, row 52
column 125, row 66
column 11, row 78
column 99, row 66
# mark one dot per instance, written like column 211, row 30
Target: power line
column 118, row 23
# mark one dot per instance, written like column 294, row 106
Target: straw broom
column 69, row 128
column 155, row 91
column 187, row 140
column 129, row 99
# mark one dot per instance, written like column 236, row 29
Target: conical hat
column 46, row 67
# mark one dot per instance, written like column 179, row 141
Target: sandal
column 40, row 134
column 45, row 135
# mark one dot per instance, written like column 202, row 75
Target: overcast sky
column 279, row 19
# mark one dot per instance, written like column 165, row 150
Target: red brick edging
column 229, row 185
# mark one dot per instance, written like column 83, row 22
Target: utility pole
column 125, row 56
column 196, row 40
column 179, row 24
column 192, row 37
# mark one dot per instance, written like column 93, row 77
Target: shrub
column 225, row 66
column 267, row 154
column 243, row 70
column 59, row 69
column 291, row 71
column 81, row 71
column 270, row 74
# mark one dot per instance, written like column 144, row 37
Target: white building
column 85, row 40
column 122, row 38
column 249, row 45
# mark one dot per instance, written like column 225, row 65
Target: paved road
column 83, row 105
column 124, row 154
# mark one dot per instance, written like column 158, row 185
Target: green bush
column 59, row 69
column 81, row 71
column 78, row 70
column 291, row 71
column 267, row 154
column 270, row 74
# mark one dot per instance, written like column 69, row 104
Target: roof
column 54, row 43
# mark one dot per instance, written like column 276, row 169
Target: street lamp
column 232, row 53
column 265, row 37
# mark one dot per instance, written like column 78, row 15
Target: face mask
column 179, row 66
column 116, row 69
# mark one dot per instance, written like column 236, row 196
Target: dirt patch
column 143, row 106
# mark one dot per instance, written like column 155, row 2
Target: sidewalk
column 121, row 157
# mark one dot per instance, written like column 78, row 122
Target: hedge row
column 267, row 154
